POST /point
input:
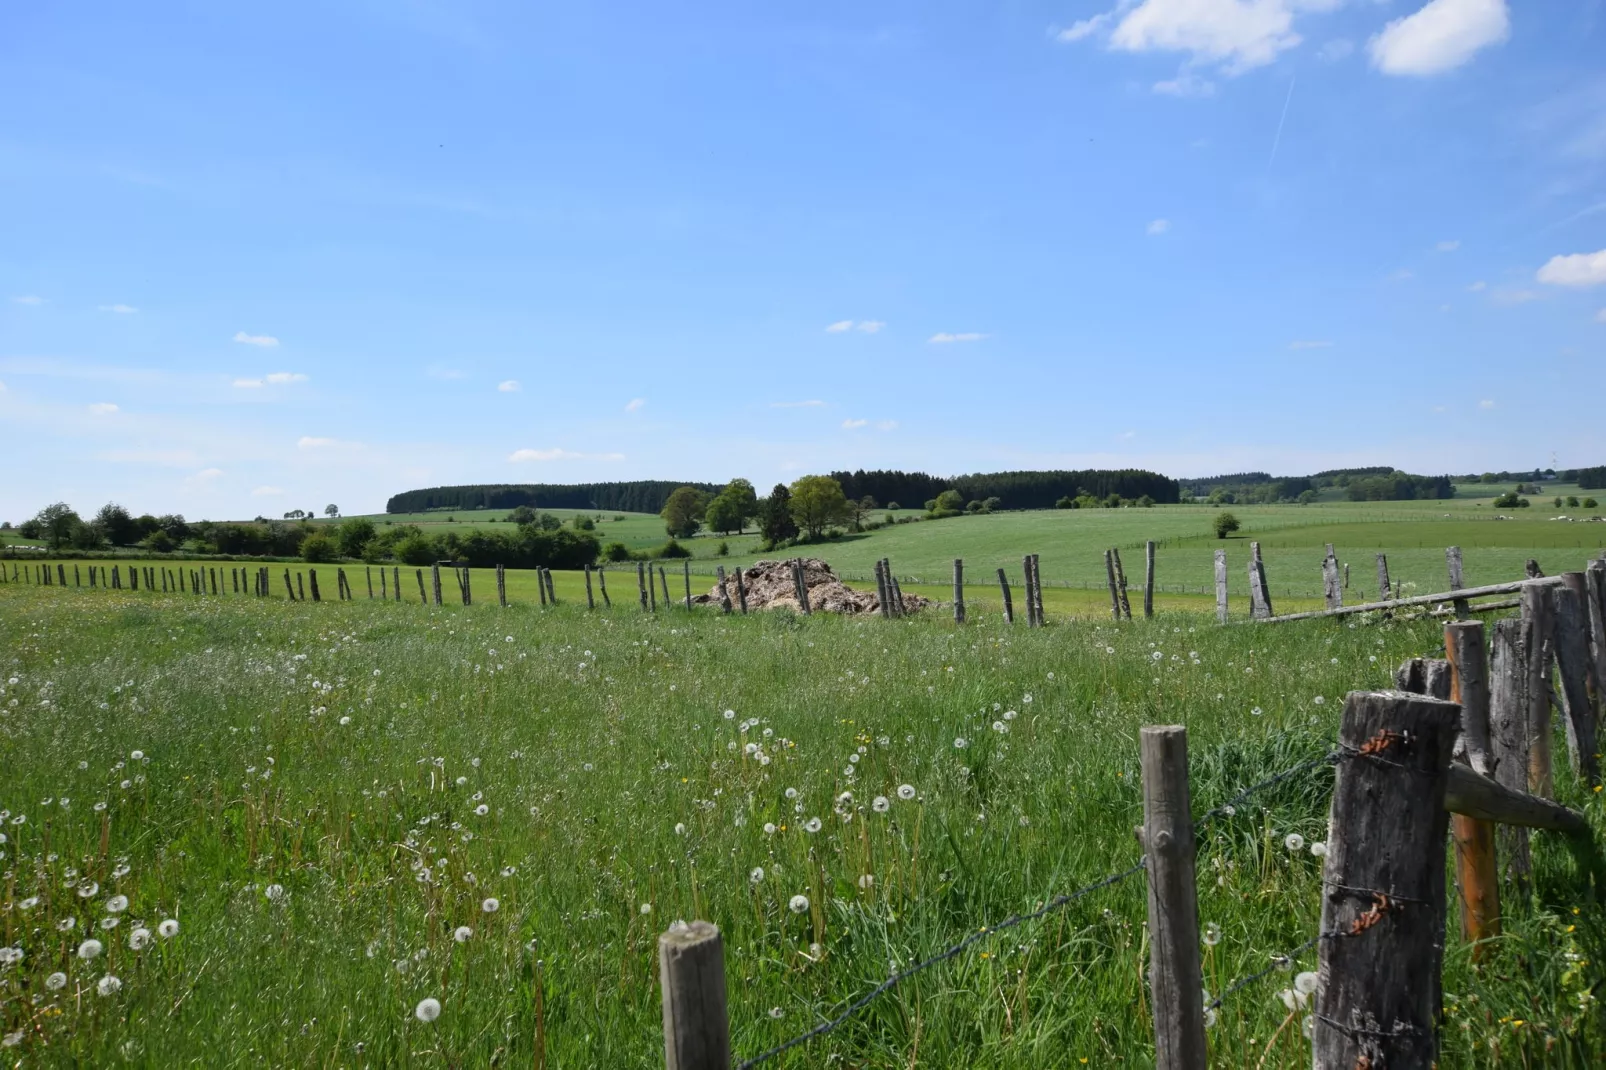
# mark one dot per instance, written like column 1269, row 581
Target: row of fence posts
column 1406, row 763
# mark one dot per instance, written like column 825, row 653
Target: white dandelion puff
column 880, row 804
column 168, row 929
column 274, row 892
column 646, row 908
column 90, row 948
column 56, row 981
column 906, row 792
column 427, row 1010
column 491, row 905
column 108, row 985
column 1319, row 849
column 117, row 904
column 139, row 939
column 756, row 875
column 1305, row 983
column 462, row 933
column 798, row 904
column 812, row 825
column 1294, row 842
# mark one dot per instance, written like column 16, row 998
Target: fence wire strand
column 1049, row 907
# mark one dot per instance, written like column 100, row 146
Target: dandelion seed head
column 428, row 1010
column 798, row 904
column 108, row 985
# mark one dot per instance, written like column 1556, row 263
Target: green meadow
column 349, row 808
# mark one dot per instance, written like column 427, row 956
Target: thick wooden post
column 741, row 591
column 540, row 584
column 803, row 587
column 663, row 581
column 435, row 581
column 395, row 581
column 422, row 597
column 1175, row 977
column 1572, row 659
column 468, row 594
column 1115, row 594
column 1221, row 586
column 1509, row 742
column 1452, row 558
column 1538, row 617
column 312, row 581
column 602, row 585
column 1332, row 590
column 691, row 973
column 1595, row 604
column 301, row 588
column 1579, row 585
column 591, row 601
column 77, row 581
column 959, row 590
column 1148, row 579
column 1037, row 589
column 1477, row 873
column 289, row 589
column 897, row 597
column 883, row 601
column 1378, row 999
column 1009, row 604
column 501, row 586
column 724, row 591
column 1382, row 577
column 1259, row 596
column 641, row 583
column 1120, row 581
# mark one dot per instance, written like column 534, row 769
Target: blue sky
column 256, row 257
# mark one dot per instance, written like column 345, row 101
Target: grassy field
column 328, row 797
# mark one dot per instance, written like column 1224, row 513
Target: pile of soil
column 769, row 586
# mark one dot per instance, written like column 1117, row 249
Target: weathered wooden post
column 803, row 588
column 897, row 596
column 882, row 600
column 1037, row 589
column 1026, row 588
column 1346, row 575
column 741, row 591
column 312, row 581
column 1532, row 570
column 540, row 585
column 1148, row 579
column 1452, row 558
column 1509, row 742
column 435, row 581
column 422, row 596
column 1477, row 871
column 1115, row 595
column 1259, row 594
column 1378, row 999
column 686, row 574
column 1009, row 604
column 463, row 579
column 77, row 581
column 1120, row 580
column 301, row 588
column 1175, row 977
column 289, row 589
column 691, row 973
column 395, row 581
column 591, row 601
column 368, row 570
column 1572, row 657
column 663, row 581
column 602, row 585
column 1595, row 599
column 1579, row 585
column 501, row 586
column 724, row 591
column 959, row 590
column 1332, row 593
column 1538, row 622
column 1221, row 586
column 551, row 591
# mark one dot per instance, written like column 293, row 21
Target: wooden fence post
column 1221, row 586
column 1332, row 593
column 803, row 588
column 395, row 581
column 1383, row 904
column 591, row 601
column 602, row 586
column 1595, row 597
column 741, row 591
column 1009, row 604
column 435, row 581
column 1383, row 578
column 1477, row 871
column 663, row 581
column 289, row 589
column 301, row 588
column 312, row 581
column 691, row 973
column 1120, row 580
column 1115, row 595
column 540, row 585
column 463, row 579
column 897, row 597
column 1175, row 977
column 1026, row 589
column 1509, row 741
column 959, row 590
column 724, row 591
column 686, row 572
column 641, row 583
column 1572, row 657
column 1452, row 559
column 882, row 600
column 1259, row 595
column 501, row 586
column 1148, row 579
column 422, row 597
column 1578, row 583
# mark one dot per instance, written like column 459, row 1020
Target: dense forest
column 1376, row 484
column 638, row 496
column 1014, row 490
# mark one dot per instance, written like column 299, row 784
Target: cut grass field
column 326, row 797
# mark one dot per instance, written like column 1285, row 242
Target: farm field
column 349, row 808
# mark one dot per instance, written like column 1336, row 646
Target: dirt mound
column 769, row 586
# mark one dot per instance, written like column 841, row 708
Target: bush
column 584, row 523
column 414, row 549
column 894, row 506
column 673, row 549
column 1591, row 503
column 616, row 551
column 1067, row 502
column 724, row 549
column 318, row 548
column 1225, row 524
column 158, row 542
column 1572, row 501
column 1510, row 500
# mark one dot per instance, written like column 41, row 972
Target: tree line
column 637, row 496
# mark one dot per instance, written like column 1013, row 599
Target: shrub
column 1225, row 524
column 673, row 549
column 584, row 523
column 1067, row 502
column 1591, row 503
column 319, row 548
column 1572, row 501
column 724, row 549
column 616, row 551
column 414, row 549
column 894, row 506
column 158, row 542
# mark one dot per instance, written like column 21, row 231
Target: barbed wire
column 1056, row 903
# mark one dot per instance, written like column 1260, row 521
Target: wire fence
column 1058, row 902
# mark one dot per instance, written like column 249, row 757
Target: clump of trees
column 729, row 511
column 1511, row 500
column 1224, row 524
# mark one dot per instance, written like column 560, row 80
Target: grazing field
column 351, row 808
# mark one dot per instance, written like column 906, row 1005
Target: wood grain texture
column 691, row 974
column 1175, row 977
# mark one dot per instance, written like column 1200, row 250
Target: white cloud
column 964, row 336
column 1440, row 37
column 280, row 378
column 205, row 477
column 561, row 455
column 1448, row 246
column 635, row 404
column 1158, row 226
column 266, row 341
column 1578, row 269
column 1511, row 296
column 441, row 371
column 1486, row 404
column 1310, row 345
column 850, row 425
column 28, row 299
column 811, row 404
column 1600, row 317
column 314, row 442
column 1478, row 286
column 1239, row 34
column 248, row 384
column 509, row 386
column 124, row 310
column 1402, row 275
column 1085, row 27
column 1185, row 84
column 886, row 425
column 102, row 408
column 843, row 326
column 871, row 326
column 266, row 492
column 179, row 458
column 2, row 387
column 1336, row 49
column 839, row 326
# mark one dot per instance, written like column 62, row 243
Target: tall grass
column 387, row 770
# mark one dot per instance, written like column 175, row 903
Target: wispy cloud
column 943, row 337
column 843, row 326
column 318, row 442
column 1311, row 344
column 266, row 341
column 1441, row 36
column 1577, row 269
column 1600, row 317
column 1185, row 84
column 1478, row 287
column 509, row 386
column 850, row 425
column 167, row 458
column 282, row 378
column 102, row 408
column 248, row 384
column 1234, row 35
column 871, row 326
column 1486, row 404
column 122, row 310
column 520, row 456
column 266, row 492
column 811, row 404
column 442, row 371
column 839, row 326
column 1511, row 296
column 635, row 404
column 1401, row 275
column 204, row 478
column 1447, row 246
column 886, row 425
column 1157, row 227
column 28, row 299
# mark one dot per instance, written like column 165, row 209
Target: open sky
column 256, row 257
